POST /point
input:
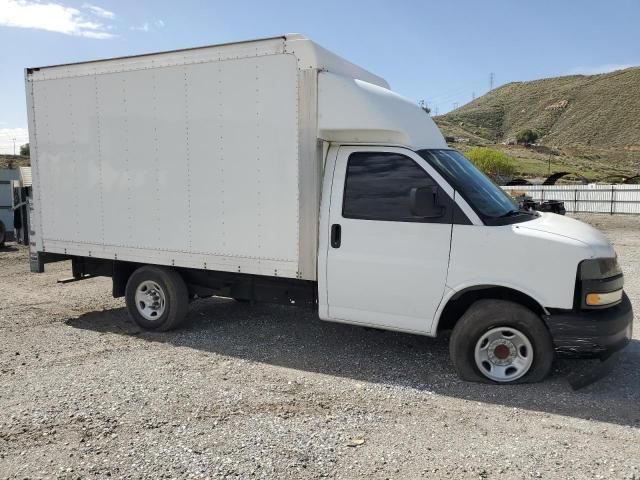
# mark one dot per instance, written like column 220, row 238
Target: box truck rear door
column 385, row 266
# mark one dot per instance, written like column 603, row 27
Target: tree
column 24, row 150
column 527, row 136
column 492, row 162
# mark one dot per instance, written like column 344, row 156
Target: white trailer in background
column 7, row 177
column 274, row 170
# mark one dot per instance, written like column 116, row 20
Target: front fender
column 459, row 290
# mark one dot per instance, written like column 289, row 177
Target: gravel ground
column 272, row 392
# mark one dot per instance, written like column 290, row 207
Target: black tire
column 176, row 296
column 3, row 234
column 486, row 315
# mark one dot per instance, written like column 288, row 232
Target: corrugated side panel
column 193, row 165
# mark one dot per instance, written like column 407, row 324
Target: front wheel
column 498, row 341
column 157, row 298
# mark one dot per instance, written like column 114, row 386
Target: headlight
column 599, row 268
column 601, row 299
column 600, row 283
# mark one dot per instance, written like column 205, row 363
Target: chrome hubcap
column 150, row 300
column 503, row 354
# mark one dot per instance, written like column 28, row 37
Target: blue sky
column 440, row 51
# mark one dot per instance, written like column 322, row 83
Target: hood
column 574, row 229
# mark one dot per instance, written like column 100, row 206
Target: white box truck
column 275, row 171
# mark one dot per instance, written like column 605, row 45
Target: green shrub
column 492, row 162
column 527, row 136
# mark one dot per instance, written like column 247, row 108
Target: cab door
column 385, row 267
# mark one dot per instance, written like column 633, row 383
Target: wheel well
column 120, row 276
column 462, row 300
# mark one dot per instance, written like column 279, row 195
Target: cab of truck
column 413, row 237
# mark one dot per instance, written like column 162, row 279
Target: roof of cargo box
column 309, row 54
column 354, row 105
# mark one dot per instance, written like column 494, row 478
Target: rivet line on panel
column 127, row 157
column 99, row 143
column 259, row 166
column 38, row 190
column 157, row 152
column 221, row 162
column 51, row 200
column 75, row 162
column 188, row 152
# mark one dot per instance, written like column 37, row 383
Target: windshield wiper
column 514, row 212
column 510, row 213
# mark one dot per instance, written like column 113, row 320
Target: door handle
column 336, row 235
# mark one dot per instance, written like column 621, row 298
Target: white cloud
column 55, row 17
column 147, row 27
column 99, row 11
column 594, row 70
column 6, row 139
column 140, row 28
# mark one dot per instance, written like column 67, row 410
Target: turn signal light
column 599, row 299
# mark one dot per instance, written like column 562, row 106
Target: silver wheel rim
column 150, row 300
column 503, row 354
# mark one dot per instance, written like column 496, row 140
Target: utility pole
column 14, row 147
column 491, row 81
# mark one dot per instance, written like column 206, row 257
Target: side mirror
column 424, row 202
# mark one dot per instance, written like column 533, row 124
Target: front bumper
column 591, row 333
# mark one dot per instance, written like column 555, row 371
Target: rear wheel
column 157, row 298
column 498, row 341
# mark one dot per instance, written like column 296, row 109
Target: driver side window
column 378, row 186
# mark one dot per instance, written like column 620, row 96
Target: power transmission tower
column 491, row 81
column 473, row 96
column 436, row 110
column 455, row 105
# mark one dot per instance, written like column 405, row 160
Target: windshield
column 484, row 196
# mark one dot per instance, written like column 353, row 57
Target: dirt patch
column 272, row 392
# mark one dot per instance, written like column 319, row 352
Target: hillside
column 13, row 161
column 591, row 117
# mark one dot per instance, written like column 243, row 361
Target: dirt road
column 272, row 392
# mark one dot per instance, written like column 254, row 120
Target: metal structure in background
column 612, row 199
column 21, row 205
column 7, row 177
column 15, row 190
